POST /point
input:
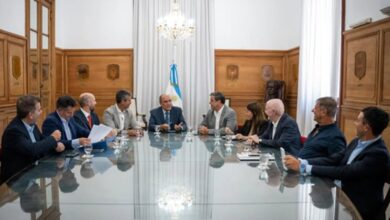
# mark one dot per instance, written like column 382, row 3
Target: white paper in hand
column 99, row 132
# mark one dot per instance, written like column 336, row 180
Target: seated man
column 281, row 132
column 85, row 116
column 22, row 142
column 119, row 116
column 326, row 138
column 361, row 167
column 219, row 117
column 73, row 135
column 170, row 118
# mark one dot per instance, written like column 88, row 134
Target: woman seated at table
column 255, row 123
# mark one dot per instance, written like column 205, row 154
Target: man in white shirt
column 219, row 117
column 119, row 116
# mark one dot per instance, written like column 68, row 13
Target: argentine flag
column 173, row 89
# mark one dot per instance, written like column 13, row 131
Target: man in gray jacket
column 219, row 116
column 119, row 116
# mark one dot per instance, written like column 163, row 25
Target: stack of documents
column 248, row 156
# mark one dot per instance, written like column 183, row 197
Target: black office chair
column 387, row 197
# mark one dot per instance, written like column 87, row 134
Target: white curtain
column 194, row 57
column 319, row 71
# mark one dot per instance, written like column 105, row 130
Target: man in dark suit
column 85, row 116
column 72, row 135
column 282, row 131
column 22, row 142
column 361, row 169
column 170, row 118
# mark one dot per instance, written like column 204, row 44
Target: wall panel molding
column 100, row 71
column 365, row 84
column 249, row 85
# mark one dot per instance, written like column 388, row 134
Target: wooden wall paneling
column 99, row 80
column 291, row 78
column 59, row 72
column 249, row 80
column 248, row 85
column 7, row 113
column 373, row 88
column 384, row 89
column 361, row 89
column 33, row 74
column 16, row 48
column 3, row 68
column 347, row 119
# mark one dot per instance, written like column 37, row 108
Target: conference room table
column 170, row 176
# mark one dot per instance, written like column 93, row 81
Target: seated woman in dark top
column 255, row 123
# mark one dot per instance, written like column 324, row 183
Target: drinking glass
column 217, row 134
column 157, row 130
column 124, row 134
column 116, row 143
column 263, row 161
column 88, row 150
column 229, row 139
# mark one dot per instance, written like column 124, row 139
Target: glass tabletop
column 170, row 176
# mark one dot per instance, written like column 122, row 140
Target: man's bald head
column 274, row 108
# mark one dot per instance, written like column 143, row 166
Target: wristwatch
column 302, row 168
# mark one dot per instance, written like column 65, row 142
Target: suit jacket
column 246, row 128
column 287, row 135
column 18, row 151
column 111, row 118
column 228, row 119
column 175, row 114
column 53, row 122
column 323, row 141
column 80, row 119
column 363, row 179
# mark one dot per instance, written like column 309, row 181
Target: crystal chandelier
column 174, row 26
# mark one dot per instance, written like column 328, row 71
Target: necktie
column 68, row 133
column 31, row 133
column 167, row 119
column 89, row 121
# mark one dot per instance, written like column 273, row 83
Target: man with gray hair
column 85, row 116
column 219, row 117
column 282, row 131
column 326, row 138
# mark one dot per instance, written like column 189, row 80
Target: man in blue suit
column 22, row 142
column 282, row 130
column 85, row 116
column 72, row 135
column 170, row 118
column 361, row 169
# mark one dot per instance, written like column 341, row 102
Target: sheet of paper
column 99, row 132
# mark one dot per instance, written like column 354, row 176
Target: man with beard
column 85, row 116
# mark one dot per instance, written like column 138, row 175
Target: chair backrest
column 133, row 107
column 141, row 118
column 227, row 102
column 387, row 197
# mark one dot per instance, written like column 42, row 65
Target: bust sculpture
column 275, row 90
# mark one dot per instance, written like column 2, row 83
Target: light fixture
column 174, row 26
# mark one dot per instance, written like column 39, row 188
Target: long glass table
column 170, row 176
